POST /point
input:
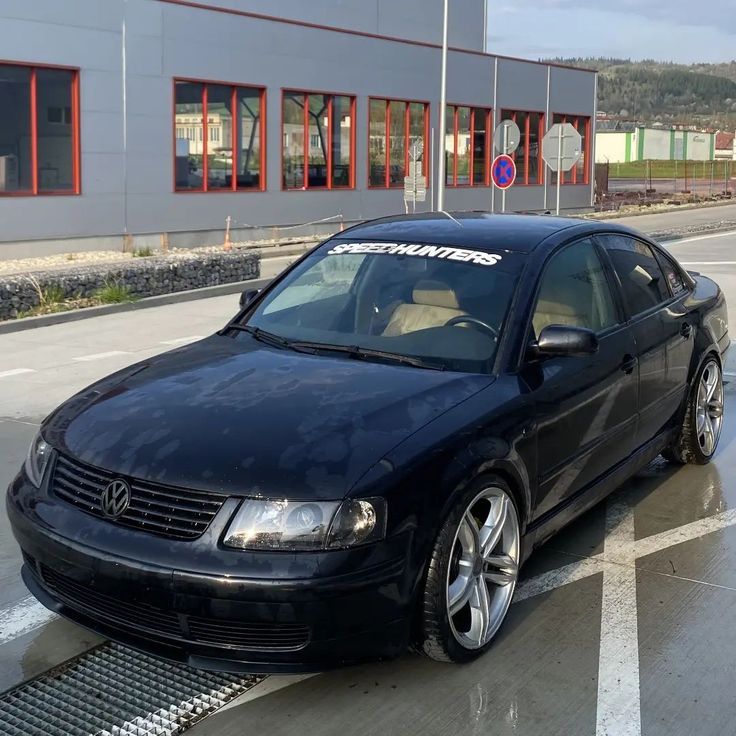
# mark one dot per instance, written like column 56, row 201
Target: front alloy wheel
column 472, row 575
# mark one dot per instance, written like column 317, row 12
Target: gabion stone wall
column 143, row 277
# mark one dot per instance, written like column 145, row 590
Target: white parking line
column 182, row 340
column 708, row 263
column 619, row 707
column 695, row 239
column 21, row 618
column 101, row 356
column 16, row 372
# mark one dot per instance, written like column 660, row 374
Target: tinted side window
column 642, row 280
column 673, row 275
column 575, row 291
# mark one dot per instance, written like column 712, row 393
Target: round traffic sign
column 507, row 137
column 503, row 171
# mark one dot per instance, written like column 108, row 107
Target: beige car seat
column 560, row 303
column 435, row 303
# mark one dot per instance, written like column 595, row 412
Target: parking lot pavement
column 621, row 626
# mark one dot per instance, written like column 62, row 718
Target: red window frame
column 572, row 177
column 488, row 113
column 75, row 123
column 204, row 189
column 330, row 129
column 407, row 136
column 522, row 173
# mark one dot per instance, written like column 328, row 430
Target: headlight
column 37, row 461
column 306, row 525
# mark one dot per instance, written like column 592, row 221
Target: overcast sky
column 671, row 30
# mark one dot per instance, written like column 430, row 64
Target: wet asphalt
column 623, row 622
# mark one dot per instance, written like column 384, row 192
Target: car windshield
column 425, row 305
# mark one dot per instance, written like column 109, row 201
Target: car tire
column 478, row 545
column 697, row 438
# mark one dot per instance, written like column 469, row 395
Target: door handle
column 686, row 330
column 628, row 365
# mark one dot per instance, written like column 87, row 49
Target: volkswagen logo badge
column 115, row 499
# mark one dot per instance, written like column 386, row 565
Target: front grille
column 175, row 513
column 105, row 607
column 249, row 636
column 139, row 617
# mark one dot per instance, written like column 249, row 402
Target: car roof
column 477, row 230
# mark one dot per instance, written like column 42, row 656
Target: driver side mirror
column 562, row 341
column 248, row 296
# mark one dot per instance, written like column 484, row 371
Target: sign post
column 415, row 185
column 506, row 139
column 562, row 148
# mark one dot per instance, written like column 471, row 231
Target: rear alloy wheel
column 472, row 575
column 698, row 438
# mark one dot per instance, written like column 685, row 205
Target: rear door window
column 673, row 275
column 643, row 283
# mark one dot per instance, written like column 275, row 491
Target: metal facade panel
column 572, row 91
column 415, row 20
column 164, row 41
column 521, row 85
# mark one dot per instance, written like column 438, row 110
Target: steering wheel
column 475, row 322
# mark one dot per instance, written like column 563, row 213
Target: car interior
column 400, row 304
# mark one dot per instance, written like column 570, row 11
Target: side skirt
column 543, row 528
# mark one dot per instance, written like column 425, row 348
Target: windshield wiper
column 262, row 335
column 355, row 351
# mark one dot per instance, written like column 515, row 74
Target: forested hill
column 651, row 91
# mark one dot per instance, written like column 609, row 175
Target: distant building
column 653, row 144
column 726, row 146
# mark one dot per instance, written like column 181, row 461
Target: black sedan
column 366, row 454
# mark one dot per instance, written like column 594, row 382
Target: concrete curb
column 668, row 237
column 615, row 215
column 74, row 315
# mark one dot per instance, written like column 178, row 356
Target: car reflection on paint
column 368, row 452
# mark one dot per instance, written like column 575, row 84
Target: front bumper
column 213, row 619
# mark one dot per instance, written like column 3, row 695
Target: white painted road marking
column 182, row 340
column 23, row 617
column 619, row 708
column 101, row 356
column 708, row 263
column 16, row 372
column 695, row 239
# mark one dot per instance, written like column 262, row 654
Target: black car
column 367, row 453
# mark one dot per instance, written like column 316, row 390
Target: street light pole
column 443, row 116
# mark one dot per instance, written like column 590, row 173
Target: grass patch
column 113, row 293
column 143, row 252
column 699, row 170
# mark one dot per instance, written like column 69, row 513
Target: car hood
column 242, row 418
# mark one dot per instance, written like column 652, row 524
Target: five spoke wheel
column 709, row 408
column 484, row 567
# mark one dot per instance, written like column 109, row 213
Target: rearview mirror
column 248, row 296
column 563, row 341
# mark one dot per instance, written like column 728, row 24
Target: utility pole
column 443, row 115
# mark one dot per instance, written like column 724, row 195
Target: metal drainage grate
column 115, row 691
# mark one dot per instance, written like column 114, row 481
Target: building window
column 528, row 156
column 467, row 146
column 581, row 173
column 318, row 141
column 394, row 126
column 39, row 130
column 219, row 137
